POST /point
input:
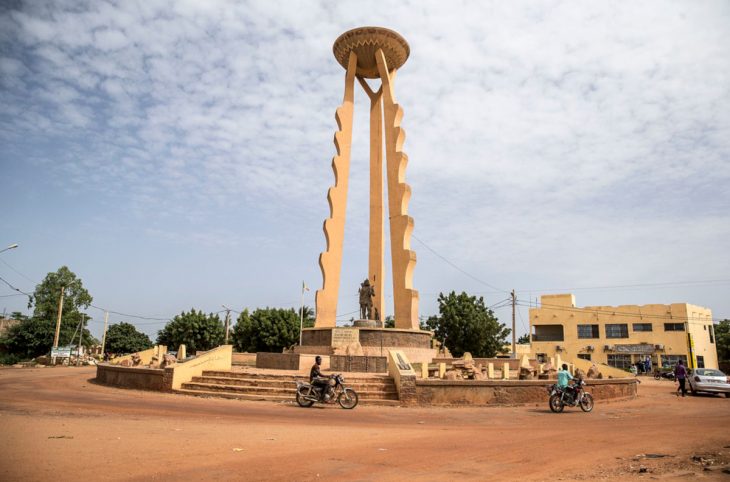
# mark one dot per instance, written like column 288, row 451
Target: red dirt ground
column 57, row 425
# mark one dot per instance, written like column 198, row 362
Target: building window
column 620, row 361
column 673, row 326
column 619, row 330
column 642, row 327
column 670, row 361
column 711, row 331
column 584, row 356
column 548, row 333
column 700, row 361
column 588, row 331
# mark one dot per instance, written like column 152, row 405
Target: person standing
column 680, row 373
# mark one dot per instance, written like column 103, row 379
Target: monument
column 371, row 53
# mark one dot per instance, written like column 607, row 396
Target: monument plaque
column 342, row 337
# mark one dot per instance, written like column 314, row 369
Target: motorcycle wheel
column 556, row 404
column 586, row 403
column 657, row 376
column 348, row 399
column 301, row 398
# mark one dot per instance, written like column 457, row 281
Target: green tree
column 308, row 318
column 722, row 340
column 465, row 324
column 266, row 330
column 33, row 336
column 198, row 331
column 123, row 338
column 524, row 339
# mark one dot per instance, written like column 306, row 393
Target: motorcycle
column 572, row 396
column 308, row 394
column 659, row 375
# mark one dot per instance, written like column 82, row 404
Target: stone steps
column 288, row 392
column 289, row 384
column 371, row 390
column 275, row 398
column 350, row 378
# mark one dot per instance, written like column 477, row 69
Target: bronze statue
column 367, row 293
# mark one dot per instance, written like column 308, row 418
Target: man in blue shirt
column 564, row 376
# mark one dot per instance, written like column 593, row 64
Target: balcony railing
column 547, row 338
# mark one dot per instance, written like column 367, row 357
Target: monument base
column 368, row 324
column 416, row 344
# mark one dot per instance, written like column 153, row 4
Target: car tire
column 727, row 395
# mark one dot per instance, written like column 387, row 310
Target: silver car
column 708, row 380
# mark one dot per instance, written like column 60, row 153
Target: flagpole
column 301, row 315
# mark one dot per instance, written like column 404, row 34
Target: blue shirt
column 563, row 378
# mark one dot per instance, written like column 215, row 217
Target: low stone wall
column 510, row 392
column 364, row 364
column 277, row 361
column 167, row 379
column 244, row 359
column 131, row 377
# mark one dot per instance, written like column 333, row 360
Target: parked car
column 708, row 380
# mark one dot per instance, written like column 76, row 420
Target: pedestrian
column 647, row 365
column 680, row 373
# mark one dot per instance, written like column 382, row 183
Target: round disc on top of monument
column 365, row 41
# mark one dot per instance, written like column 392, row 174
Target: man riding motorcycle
column 564, row 377
column 318, row 380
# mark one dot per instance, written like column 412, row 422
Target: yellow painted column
column 330, row 261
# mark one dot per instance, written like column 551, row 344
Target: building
column 622, row 335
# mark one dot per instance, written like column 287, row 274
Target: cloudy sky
column 177, row 154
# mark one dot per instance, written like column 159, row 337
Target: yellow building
column 623, row 335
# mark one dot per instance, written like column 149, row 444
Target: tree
column 34, row 336
column 722, row 340
column 196, row 330
column 266, row 329
column 124, row 338
column 524, row 339
column 308, row 318
column 465, row 324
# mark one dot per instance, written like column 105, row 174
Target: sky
column 177, row 154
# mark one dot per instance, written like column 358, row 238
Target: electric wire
column 457, row 267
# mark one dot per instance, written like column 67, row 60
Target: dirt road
column 56, row 422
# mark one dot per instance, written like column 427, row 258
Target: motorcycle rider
column 564, row 377
column 318, row 380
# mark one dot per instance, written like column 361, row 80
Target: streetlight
column 12, row 246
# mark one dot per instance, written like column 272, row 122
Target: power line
column 18, row 272
column 14, row 288
column 455, row 266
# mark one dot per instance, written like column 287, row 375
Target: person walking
column 680, row 373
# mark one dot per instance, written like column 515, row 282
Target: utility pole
column 103, row 338
column 514, row 339
column 228, row 318
column 81, row 332
column 58, row 324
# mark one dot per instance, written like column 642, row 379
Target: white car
column 708, row 380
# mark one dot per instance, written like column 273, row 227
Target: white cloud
column 527, row 123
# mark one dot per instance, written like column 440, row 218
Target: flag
column 304, row 287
